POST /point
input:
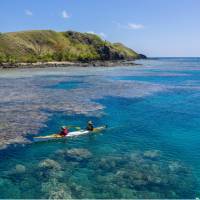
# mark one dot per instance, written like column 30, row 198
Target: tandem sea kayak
column 69, row 135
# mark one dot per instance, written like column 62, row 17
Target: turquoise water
column 67, row 85
column 149, row 150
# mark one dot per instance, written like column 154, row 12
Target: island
column 50, row 48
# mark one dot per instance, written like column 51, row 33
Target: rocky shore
column 111, row 63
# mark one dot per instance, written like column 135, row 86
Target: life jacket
column 90, row 127
column 64, row 132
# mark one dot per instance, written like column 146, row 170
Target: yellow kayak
column 70, row 134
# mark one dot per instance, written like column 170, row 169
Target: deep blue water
column 149, row 150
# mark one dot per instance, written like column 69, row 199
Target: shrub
column 2, row 58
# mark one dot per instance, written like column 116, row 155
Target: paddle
column 72, row 126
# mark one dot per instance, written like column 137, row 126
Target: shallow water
column 149, row 150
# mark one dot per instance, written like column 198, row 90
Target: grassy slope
column 47, row 45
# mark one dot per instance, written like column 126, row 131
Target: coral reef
column 8, row 189
column 152, row 154
column 49, row 164
column 29, row 101
column 132, row 175
column 49, row 168
column 141, row 176
column 77, row 154
column 106, row 169
column 20, row 169
column 55, row 190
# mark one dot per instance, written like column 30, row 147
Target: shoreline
column 110, row 63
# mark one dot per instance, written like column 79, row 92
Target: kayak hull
column 69, row 135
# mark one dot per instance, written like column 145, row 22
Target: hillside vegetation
column 47, row 45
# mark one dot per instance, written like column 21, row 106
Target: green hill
column 47, row 45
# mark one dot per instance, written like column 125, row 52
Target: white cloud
column 101, row 34
column 91, row 32
column 133, row 26
column 28, row 12
column 65, row 15
column 130, row 26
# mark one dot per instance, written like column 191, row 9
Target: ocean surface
column 151, row 148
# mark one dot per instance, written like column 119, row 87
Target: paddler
column 64, row 131
column 90, row 126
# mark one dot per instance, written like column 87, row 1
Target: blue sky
column 152, row 27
